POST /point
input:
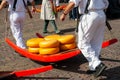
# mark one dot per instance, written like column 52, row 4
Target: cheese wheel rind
column 34, row 42
column 33, row 50
column 64, row 47
column 66, row 39
column 49, row 50
column 49, row 44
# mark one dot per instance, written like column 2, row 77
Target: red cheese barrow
column 54, row 57
column 14, row 75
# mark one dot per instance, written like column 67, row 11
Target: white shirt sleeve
column 98, row 5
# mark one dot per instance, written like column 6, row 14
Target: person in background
column 73, row 13
column 17, row 14
column 57, row 3
column 48, row 14
column 90, row 31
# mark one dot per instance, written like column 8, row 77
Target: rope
column 110, row 31
column 6, row 24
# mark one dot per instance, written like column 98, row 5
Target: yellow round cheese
column 34, row 42
column 49, row 44
column 54, row 36
column 64, row 47
column 49, row 50
column 66, row 39
column 33, row 50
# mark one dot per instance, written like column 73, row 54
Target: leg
column 70, row 15
column 16, row 28
column 46, row 22
column 74, row 13
column 55, row 26
column 97, row 41
column 86, row 32
column 90, row 39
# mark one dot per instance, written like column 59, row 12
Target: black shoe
column 90, row 72
column 99, row 70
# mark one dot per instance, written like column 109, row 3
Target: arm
column 53, row 7
column 106, row 3
column 3, row 4
column 67, row 10
column 33, row 6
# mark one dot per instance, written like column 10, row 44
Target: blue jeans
column 73, row 13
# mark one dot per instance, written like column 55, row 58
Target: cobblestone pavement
column 73, row 68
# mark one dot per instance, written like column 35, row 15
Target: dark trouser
column 46, row 25
column 73, row 13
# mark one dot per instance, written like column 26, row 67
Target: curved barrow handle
column 14, row 75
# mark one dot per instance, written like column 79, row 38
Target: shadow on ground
column 78, row 60
column 71, row 64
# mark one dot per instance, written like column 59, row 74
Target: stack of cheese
column 43, row 46
column 51, row 44
column 33, row 44
column 67, row 42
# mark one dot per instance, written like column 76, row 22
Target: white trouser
column 16, row 25
column 90, row 36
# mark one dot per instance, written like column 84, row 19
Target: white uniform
column 47, row 12
column 17, row 18
column 91, row 29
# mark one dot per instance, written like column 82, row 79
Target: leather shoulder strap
column 86, row 8
column 14, row 5
column 29, row 12
column 24, row 4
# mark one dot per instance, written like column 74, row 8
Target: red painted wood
column 44, row 58
column 55, row 57
column 29, row 72
column 109, row 42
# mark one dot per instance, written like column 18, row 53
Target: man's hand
column 33, row 9
column 3, row 4
column 62, row 17
column 33, row 6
